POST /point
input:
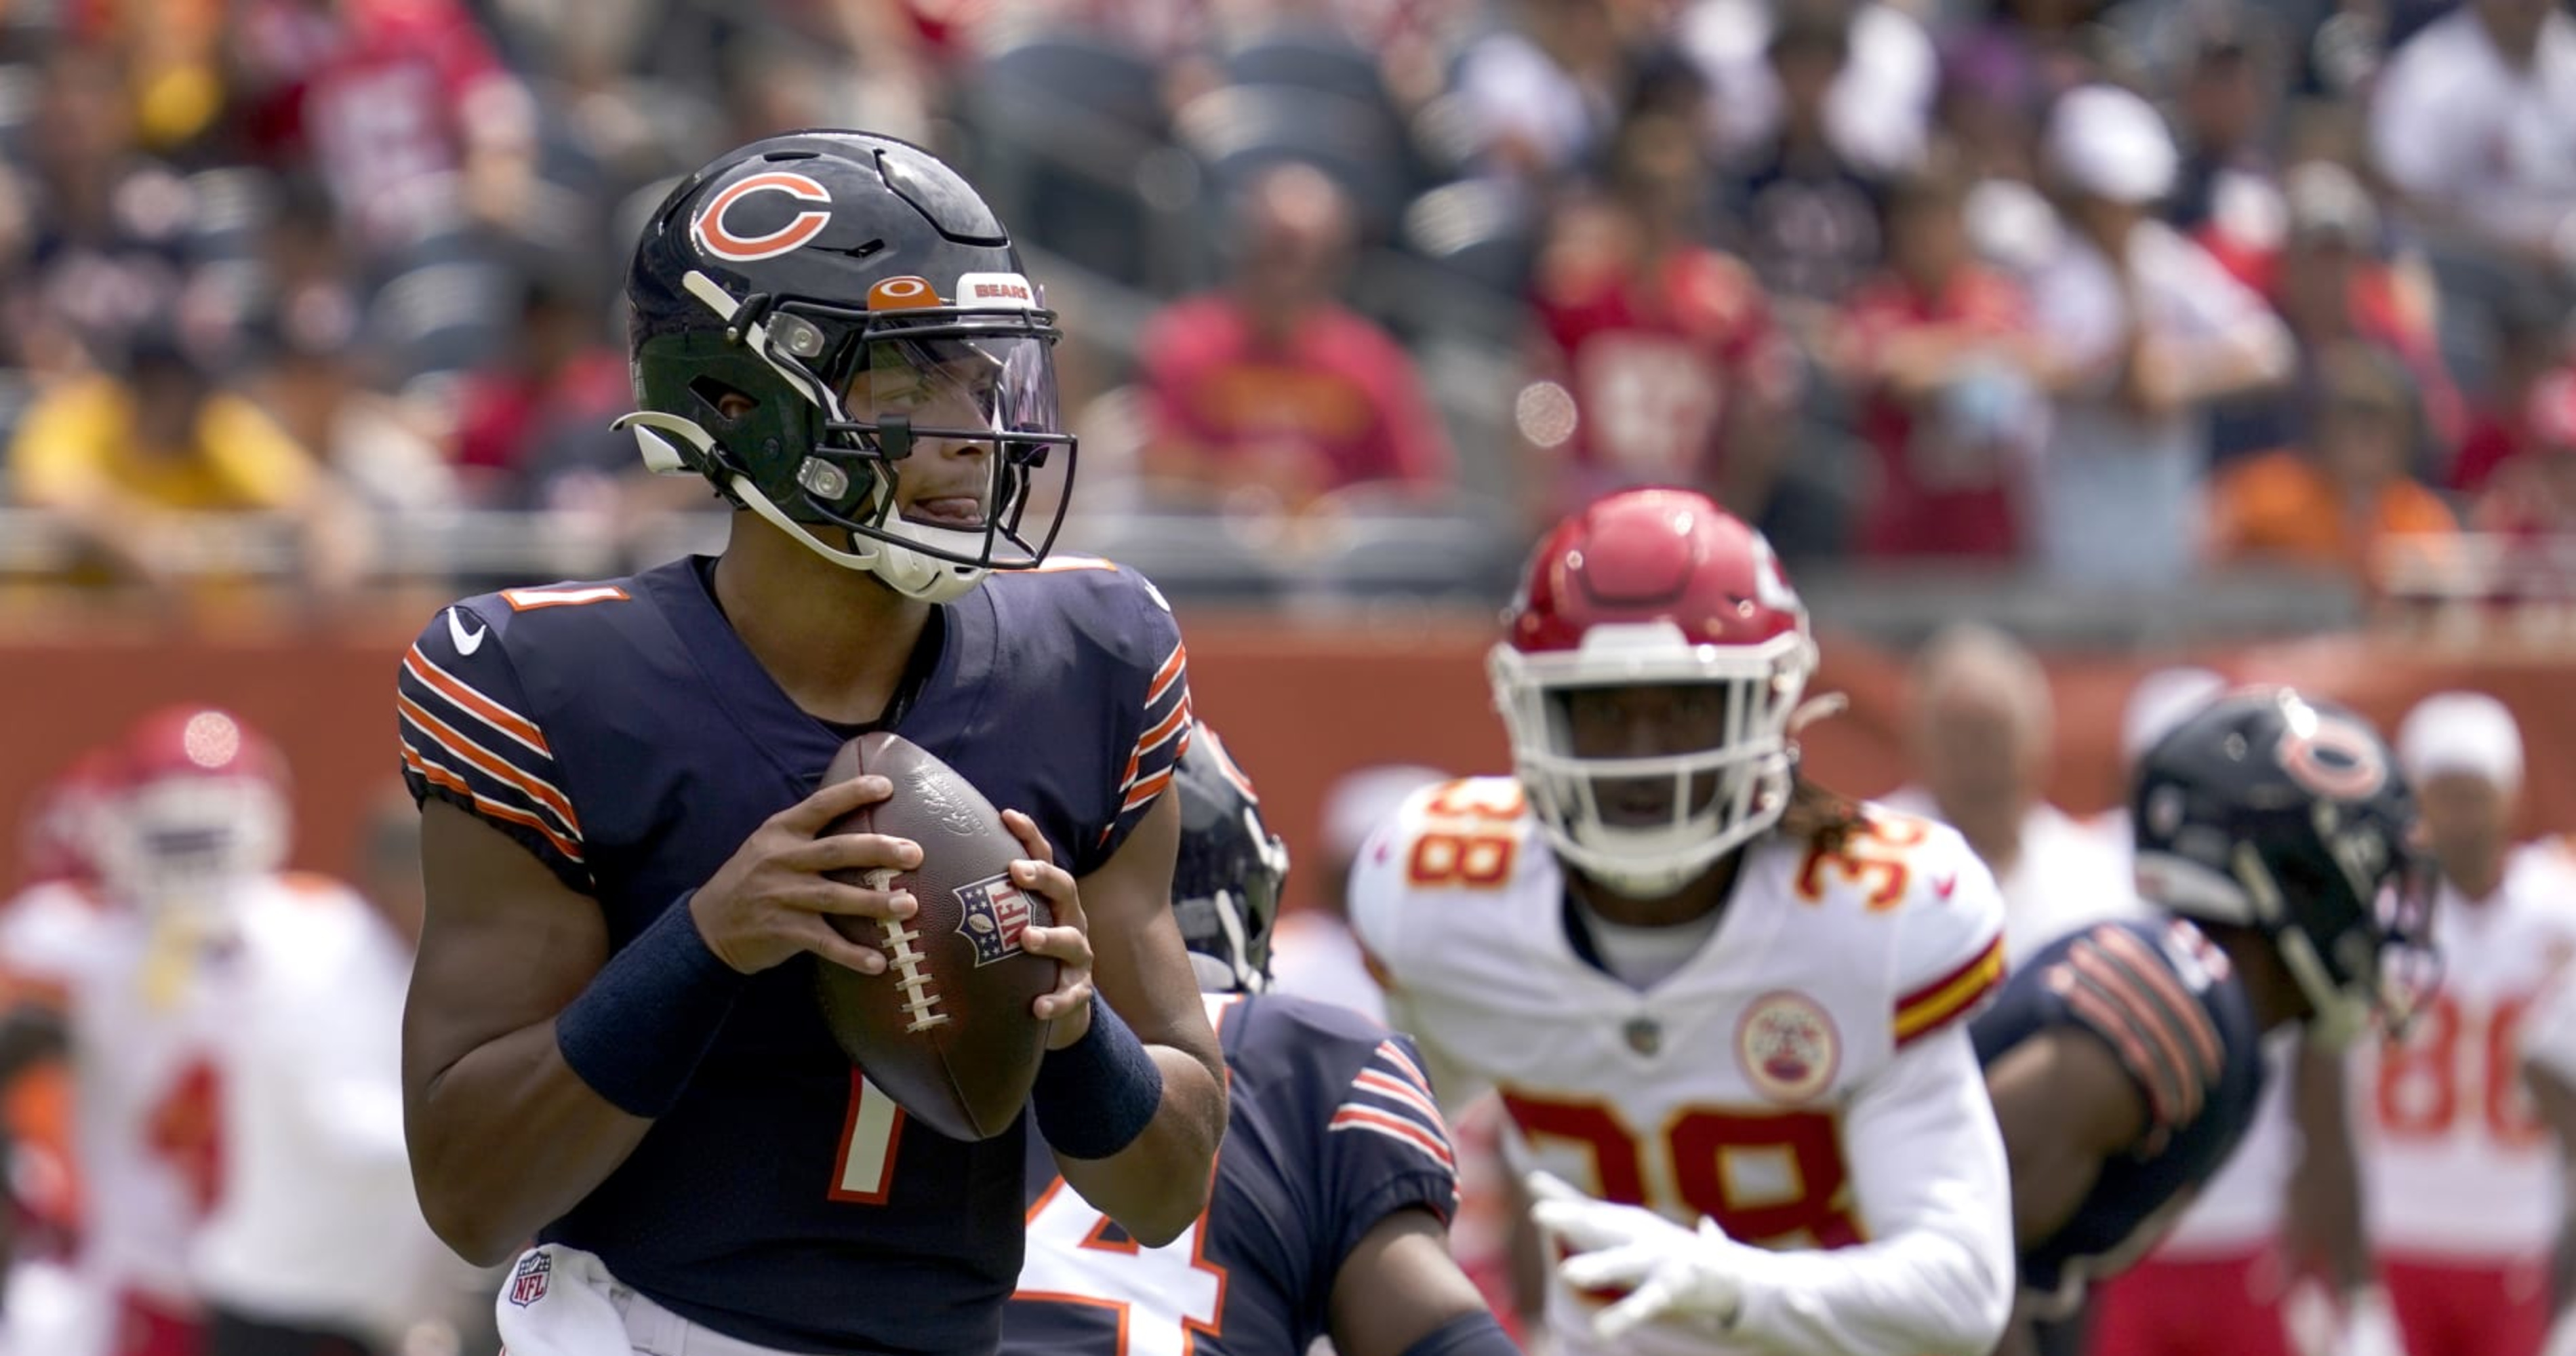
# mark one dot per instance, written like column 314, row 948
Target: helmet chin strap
column 907, row 572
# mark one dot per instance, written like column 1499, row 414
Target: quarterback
column 1698, row 983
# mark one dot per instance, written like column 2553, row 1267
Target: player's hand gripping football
column 1669, row 1272
column 768, row 901
column 1068, row 943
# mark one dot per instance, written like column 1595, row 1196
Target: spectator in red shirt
column 1663, row 352
column 545, row 405
column 402, row 105
column 1935, row 349
column 2534, row 495
column 2332, row 287
column 1271, row 386
column 2529, row 352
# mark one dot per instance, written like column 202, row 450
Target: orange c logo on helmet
column 717, row 239
column 2338, row 759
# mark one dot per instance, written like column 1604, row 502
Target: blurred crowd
column 2118, row 291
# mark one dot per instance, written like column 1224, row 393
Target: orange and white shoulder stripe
column 461, row 735
column 1955, row 995
column 443, row 741
column 1166, row 736
column 491, row 807
column 1390, row 1098
column 2117, row 985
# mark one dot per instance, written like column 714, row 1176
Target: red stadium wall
column 1299, row 704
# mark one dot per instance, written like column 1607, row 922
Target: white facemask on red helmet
column 198, row 805
column 1654, row 588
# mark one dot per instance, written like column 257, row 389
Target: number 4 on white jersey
column 1162, row 1296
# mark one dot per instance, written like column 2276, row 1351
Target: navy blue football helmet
column 867, row 302
column 2272, row 811
column 1229, row 871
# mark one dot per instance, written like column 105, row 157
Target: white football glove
column 1671, row 1272
column 2370, row 1326
column 2354, row 1323
column 2562, row 1337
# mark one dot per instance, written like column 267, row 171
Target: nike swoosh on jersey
column 466, row 642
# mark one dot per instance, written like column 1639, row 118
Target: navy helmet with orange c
column 865, row 301
column 2289, row 815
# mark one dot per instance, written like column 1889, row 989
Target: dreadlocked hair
column 1819, row 815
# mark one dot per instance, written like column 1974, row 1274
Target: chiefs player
column 234, row 1033
column 1699, row 983
column 2462, row 1184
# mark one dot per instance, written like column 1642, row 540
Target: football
column 946, row 1029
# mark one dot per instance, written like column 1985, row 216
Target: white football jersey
column 316, row 1224
column 140, row 1003
column 2455, row 1163
column 1772, row 1084
column 2066, row 879
column 50, row 936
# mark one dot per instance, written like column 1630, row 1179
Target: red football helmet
column 1654, row 589
column 198, row 801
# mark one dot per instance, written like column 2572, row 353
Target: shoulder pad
column 1949, row 916
column 1464, row 837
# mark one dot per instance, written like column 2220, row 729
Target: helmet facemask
column 1227, row 930
column 844, row 397
column 2356, row 940
column 185, row 841
column 1646, row 823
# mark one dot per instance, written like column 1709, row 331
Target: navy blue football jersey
column 1330, row 1128
column 625, row 735
column 2171, row 1007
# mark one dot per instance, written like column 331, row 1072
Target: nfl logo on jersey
column 528, row 1283
column 993, row 915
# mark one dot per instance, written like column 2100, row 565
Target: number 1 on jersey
column 870, row 1132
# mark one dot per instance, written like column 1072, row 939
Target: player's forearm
column 1157, row 1185
column 2325, row 1188
column 508, row 1139
column 1918, row 1294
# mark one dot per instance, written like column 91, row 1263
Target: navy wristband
column 1470, row 1334
column 1095, row 1096
column 646, row 1019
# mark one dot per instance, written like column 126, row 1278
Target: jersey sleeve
column 2549, row 1028
column 1384, row 1146
column 1155, row 715
column 470, row 738
column 1404, row 905
column 2115, row 984
column 1950, row 939
column 1929, row 1178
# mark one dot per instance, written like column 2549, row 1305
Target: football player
column 50, row 931
column 2463, row 1184
column 1334, row 1191
column 612, row 1042
column 2125, row 1060
column 1699, row 983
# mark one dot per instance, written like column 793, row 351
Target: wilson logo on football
column 718, row 238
